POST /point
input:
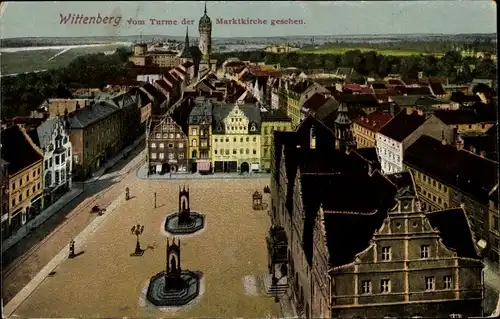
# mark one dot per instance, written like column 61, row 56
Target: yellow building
column 366, row 127
column 236, row 138
column 25, row 171
column 200, row 136
column 298, row 93
column 274, row 120
column 433, row 194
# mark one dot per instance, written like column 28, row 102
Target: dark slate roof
column 17, row 150
column 402, row 125
column 357, row 100
column 201, row 112
column 220, row 112
column 437, row 87
column 252, row 112
column 368, row 153
column 414, row 100
column 352, row 212
column 301, row 86
column 422, row 90
column 455, row 231
column 463, row 170
column 86, row 116
column 44, row 132
column 181, row 114
column 460, row 116
column 460, row 97
column 159, row 98
column 274, row 116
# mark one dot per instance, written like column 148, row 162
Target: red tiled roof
column 164, row 85
column 373, row 121
column 402, row 125
column 315, row 101
column 456, row 117
column 187, row 64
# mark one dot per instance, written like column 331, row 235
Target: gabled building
column 25, row 177
column 403, row 130
column 52, row 137
column 272, row 120
column 167, row 141
column 200, row 136
column 347, row 229
column 236, row 143
column 448, row 177
column 366, row 127
column 298, row 93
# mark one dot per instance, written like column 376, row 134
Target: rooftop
column 373, row 121
column 18, row 150
column 274, row 116
column 402, row 125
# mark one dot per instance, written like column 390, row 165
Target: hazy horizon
column 362, row 18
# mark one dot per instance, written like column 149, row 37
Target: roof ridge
column 29, row 140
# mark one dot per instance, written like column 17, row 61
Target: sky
column 43, row 19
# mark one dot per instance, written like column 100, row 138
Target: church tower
column 344, row 139
column 205, row 29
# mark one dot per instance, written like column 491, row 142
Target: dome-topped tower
column 205, row 29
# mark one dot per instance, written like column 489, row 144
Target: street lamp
column 137, row 231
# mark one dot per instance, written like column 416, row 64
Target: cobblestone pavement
column 106, row 281
column 29, row 256
column 142, row 174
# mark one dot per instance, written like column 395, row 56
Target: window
column 227, row 152
column 385, row 285
column 14, row 202
column 247, row 151
column 386, row 253
column 33, row 189
column 216, row 140
column 366, row 287
column 180, row 145
column 46, row 164
column 194, row 143
column 180, row 156
column 447, row 280
column 215, row 152
column 255, row 139
column 153, row 155
column 27, row 193
column 20, row 197
column 162, row 155
column 170, row 145
column 170, row 156
column 28, row 177
column 162, row 145
column 153, row 145
column 424, row 251
column 429, row 283
column 234, row 151
column 57, row 160
column 247, row 139
column 254, row 151
column 158, row 135
column 194, row 132
column 234, row 139
column 495, row 223
column 455, row 315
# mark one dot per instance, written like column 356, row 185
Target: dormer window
column 253, row 127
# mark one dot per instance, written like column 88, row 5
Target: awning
column 255, row 167
column 203, row 166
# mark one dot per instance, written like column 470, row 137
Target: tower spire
column 205, row 8
column 186, row 41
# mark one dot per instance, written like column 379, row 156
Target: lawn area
column 341, row 50
column 28, row 61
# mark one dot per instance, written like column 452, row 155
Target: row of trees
column 452, row 64
column 23, row 93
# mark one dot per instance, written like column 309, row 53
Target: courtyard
column 230, row 252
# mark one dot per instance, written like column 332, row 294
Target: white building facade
column 58, row 160
column 390, row 153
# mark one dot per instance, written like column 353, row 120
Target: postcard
column 230, row 159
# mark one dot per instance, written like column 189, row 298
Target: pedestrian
column 170, row 175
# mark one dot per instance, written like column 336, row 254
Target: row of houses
column 66, row 139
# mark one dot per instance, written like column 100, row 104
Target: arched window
column 194, row 143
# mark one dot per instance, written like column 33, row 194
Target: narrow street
column 25, row 259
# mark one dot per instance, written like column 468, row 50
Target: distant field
column 344, row 50
column 29, row 61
